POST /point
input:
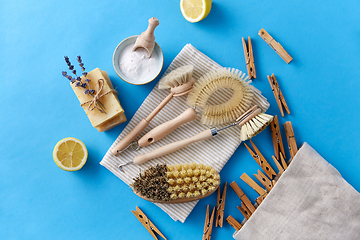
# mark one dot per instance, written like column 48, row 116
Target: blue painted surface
column 38, row 108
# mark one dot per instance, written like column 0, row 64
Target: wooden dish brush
column 176, row 183
column 200, row 97
column 251, row 122
column 180, row 82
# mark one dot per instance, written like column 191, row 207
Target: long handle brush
column 180, row 82
column 251, row 122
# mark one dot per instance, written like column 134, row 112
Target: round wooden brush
column 203, row 90
column 180, row 82
column 252, row 122
column 176, row 183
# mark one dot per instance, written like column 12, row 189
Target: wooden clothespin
column 244, row 210
column 235, row 224
column 263, row 179
column 147, row 223
column 276, row 137
column 275, row 45
column 259, row 158
column 259, row 200
column 208, row 224
column 289, row 132
column 220, row 207
column 278, row 165
column 253, row 185
column 249, row 58
column 280, row 100
column 283, row 162
column 243, row 197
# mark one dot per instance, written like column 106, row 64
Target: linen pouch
column 311, row 200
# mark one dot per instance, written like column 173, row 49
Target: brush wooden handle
column 172, row 147
column 166, row 128
column 130, row 137
column 140, row 127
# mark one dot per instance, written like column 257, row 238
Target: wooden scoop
column 147, row 39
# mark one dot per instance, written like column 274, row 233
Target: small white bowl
column 126, row 42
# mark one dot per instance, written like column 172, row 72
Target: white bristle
column 211, row 82
column 176, row 77
column 256, row 125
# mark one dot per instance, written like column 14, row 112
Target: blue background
column 38, row 108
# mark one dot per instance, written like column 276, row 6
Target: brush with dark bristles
column 251, row 122
column 176, row 183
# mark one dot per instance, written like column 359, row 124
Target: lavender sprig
column 77, row 79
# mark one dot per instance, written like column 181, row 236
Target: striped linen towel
column 215, row 152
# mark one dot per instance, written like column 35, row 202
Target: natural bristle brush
column 176, row 183
column 251, row 122
column 180, row 82
column 199, row 98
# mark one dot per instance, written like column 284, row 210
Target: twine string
column 93, row 103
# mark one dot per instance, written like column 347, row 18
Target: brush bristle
column 176, row 77
column 211, row 82
column 193, row 180
column 167, row 183
column 256, row 125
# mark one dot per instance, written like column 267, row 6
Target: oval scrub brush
column 176, row 183
column 251, row 122
column 201, row 97
column 180, row 82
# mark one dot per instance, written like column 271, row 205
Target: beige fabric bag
column 310, row 201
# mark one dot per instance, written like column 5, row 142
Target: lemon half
column 70, row 154
column 195, row 10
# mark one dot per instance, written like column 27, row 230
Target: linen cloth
column 214, row 152
column 311, row 200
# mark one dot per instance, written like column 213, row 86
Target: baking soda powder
column 137, row 65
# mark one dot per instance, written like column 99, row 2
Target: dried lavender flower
column 77, row 79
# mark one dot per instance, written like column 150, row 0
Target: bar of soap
column 114, row 115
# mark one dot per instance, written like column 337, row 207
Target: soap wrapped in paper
column 112, row 114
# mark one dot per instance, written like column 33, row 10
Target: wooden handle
column 159, row 107
column 140, row 127
column 149, row 33
column 130, row 137
column 172, row 147
column 166, row 128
